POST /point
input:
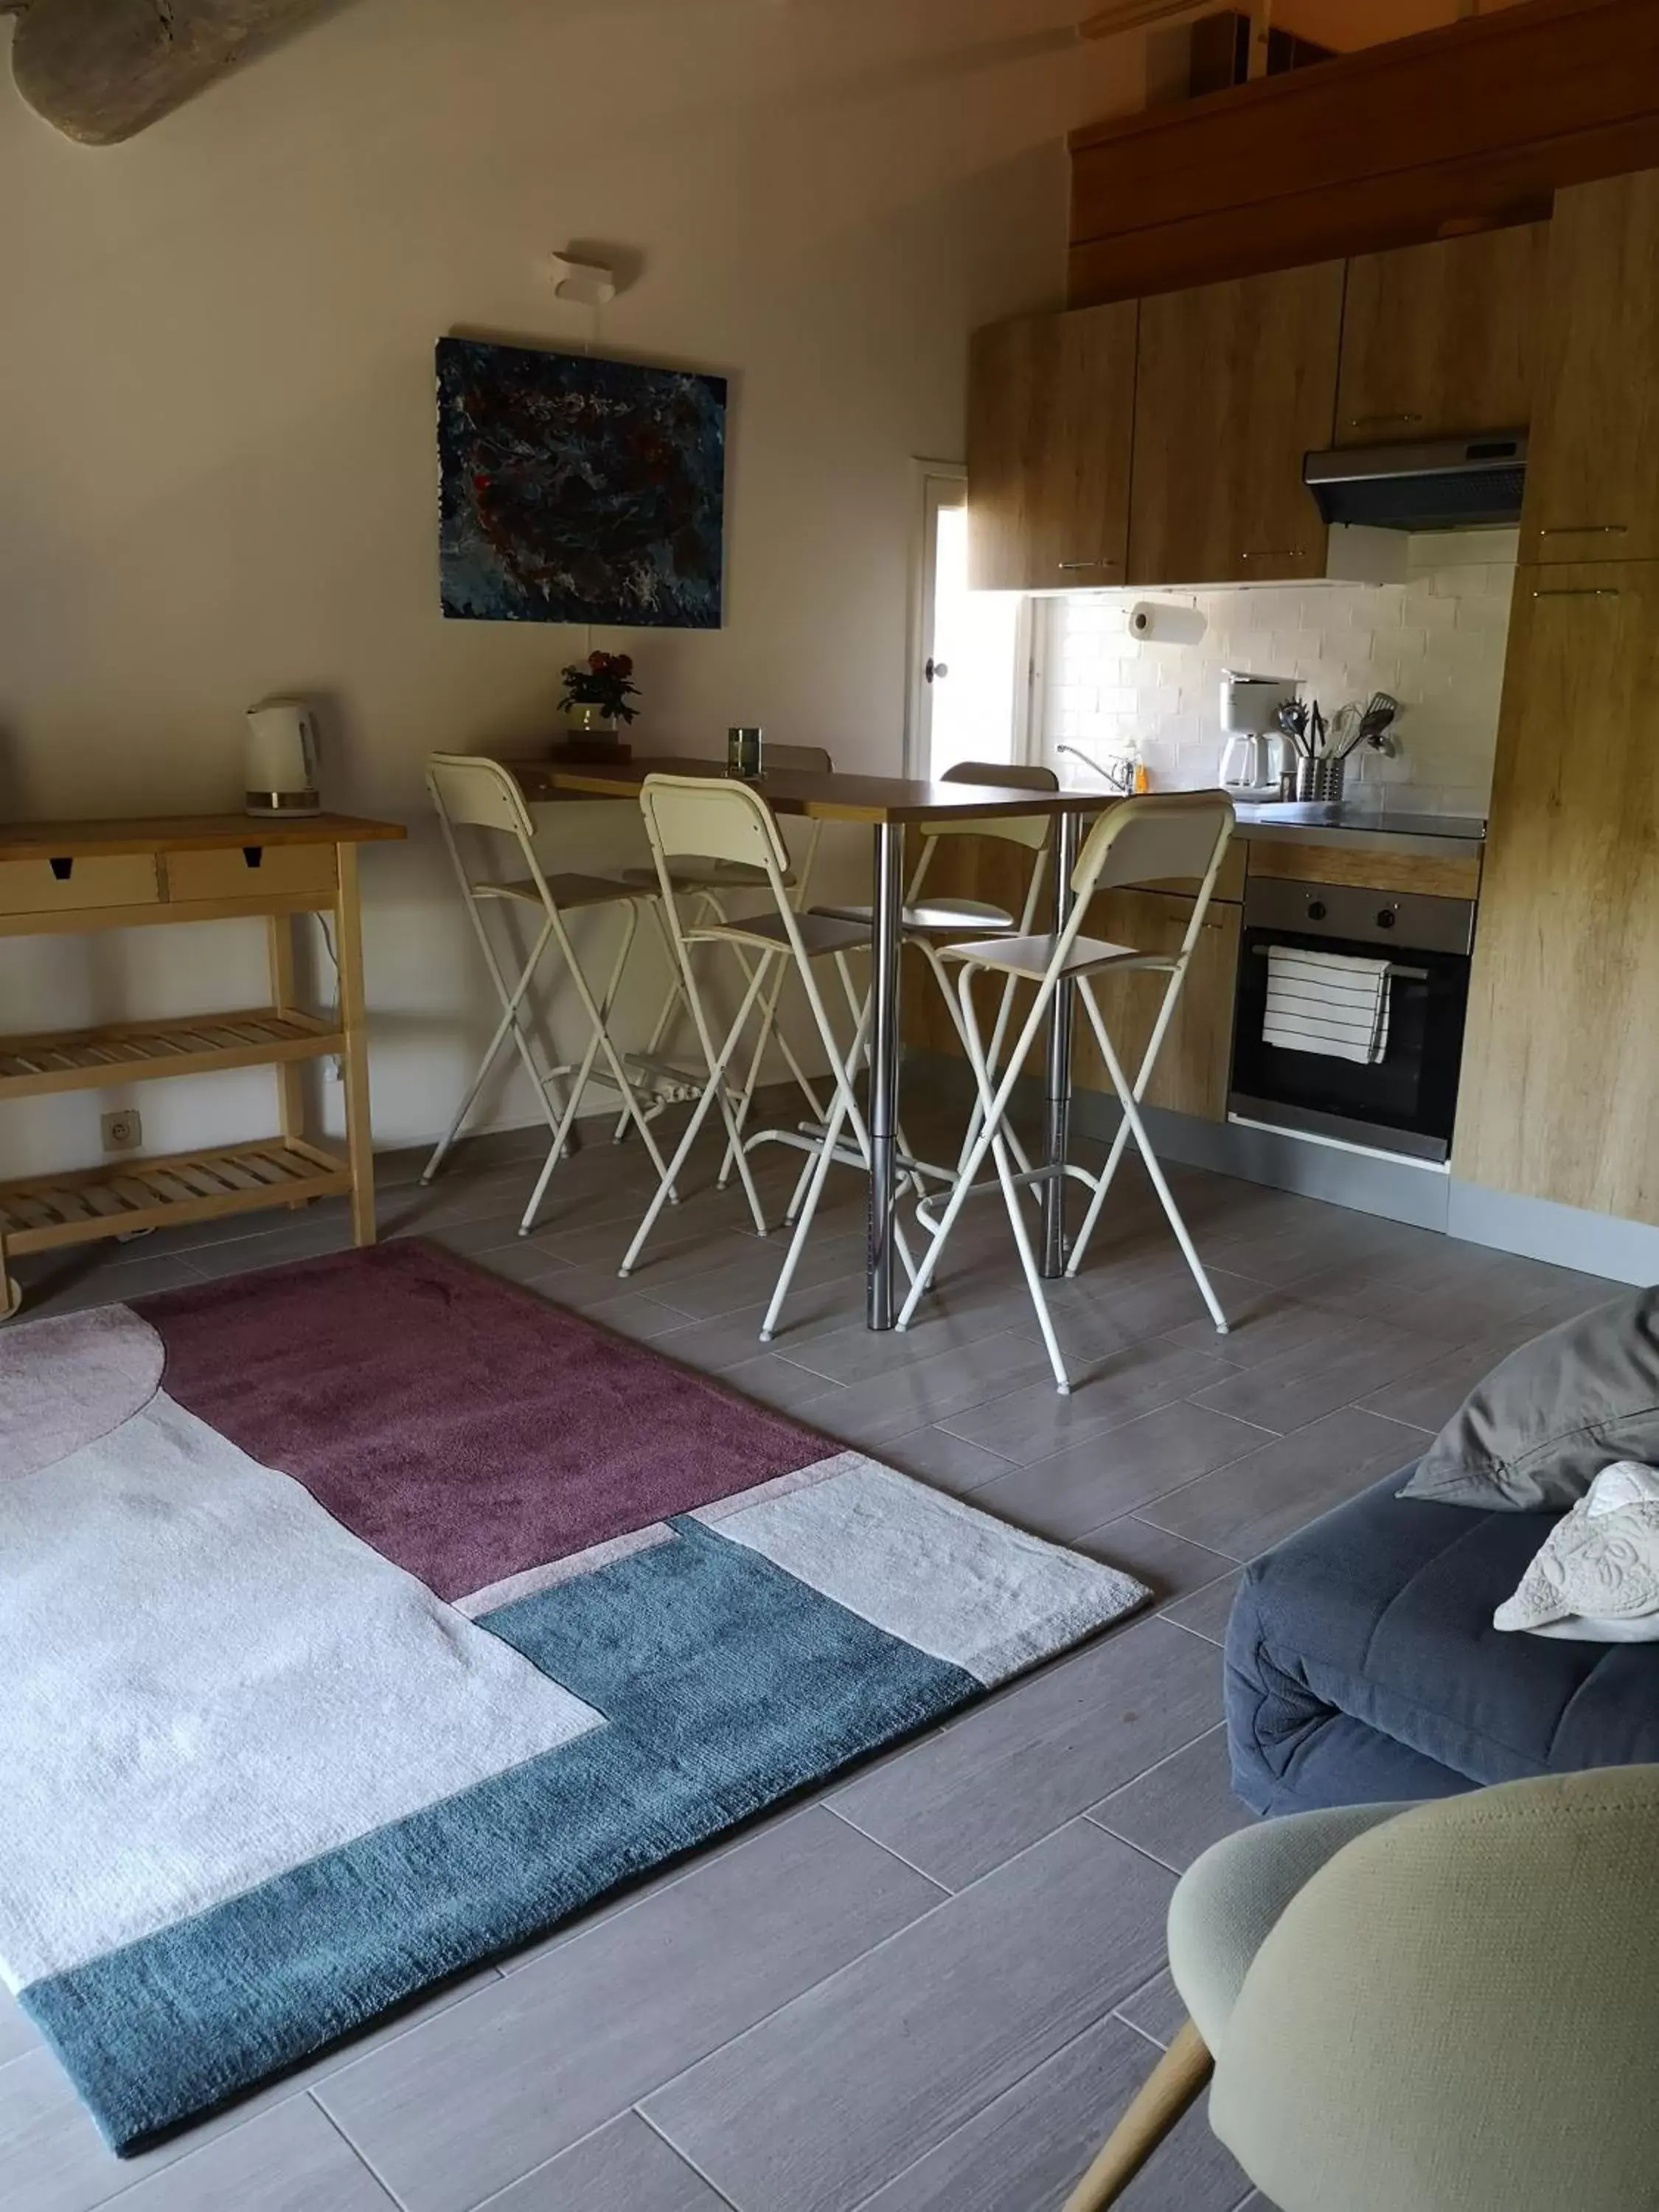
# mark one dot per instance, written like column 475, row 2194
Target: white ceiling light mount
column 587, row 284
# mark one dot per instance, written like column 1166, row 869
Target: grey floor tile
column 53, row 1284
column 626, row 2168
column 1180, row 1809
column 17, row 2033
column 1015, row 1768
column 1261, row 1499
column 1028, row 2148
column 1170, row 1567
column 1281, row 1250
column 1157, row 2010
column 786, row 1388
column 1455, row 1291
column 1115, row 1470
column 922, row 2033
column 931, row 1391
column 947, row 1461
column 1427, row 1396
column 1096, row 1317
column 287, row 2160
column 631, row 1314
column 551, row 2053
column 1037, row 1421
column 1205, row 1612
column 1328, row 1372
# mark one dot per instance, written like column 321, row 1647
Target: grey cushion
column 1536, row 1434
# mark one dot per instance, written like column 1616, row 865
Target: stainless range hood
column 1445, row 484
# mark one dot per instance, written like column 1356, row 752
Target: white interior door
column 969, row 655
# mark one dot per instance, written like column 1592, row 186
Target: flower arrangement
column 603, row 680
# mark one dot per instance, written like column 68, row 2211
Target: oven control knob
column 1315, row 909
column 1386, row 918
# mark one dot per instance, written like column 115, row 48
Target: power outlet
column 124, row 1130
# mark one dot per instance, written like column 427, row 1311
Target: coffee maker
column 1256, row 753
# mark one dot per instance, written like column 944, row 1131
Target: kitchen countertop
column 1431, row 835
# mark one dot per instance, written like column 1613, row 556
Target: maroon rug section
column 464, row 1427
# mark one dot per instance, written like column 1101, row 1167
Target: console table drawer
column 252, row 870
column 73, row 886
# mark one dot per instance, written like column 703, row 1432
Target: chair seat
column 820, row 933
column 939, row 917
column 692, row 874
column 1033, row 957
column 566, row 891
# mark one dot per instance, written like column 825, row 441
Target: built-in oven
column 1405, row 1100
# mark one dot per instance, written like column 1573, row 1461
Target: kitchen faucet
column 1117, row 775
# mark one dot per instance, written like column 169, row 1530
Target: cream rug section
column 209, row 1681
column 66, row 1382
column 988, row 1598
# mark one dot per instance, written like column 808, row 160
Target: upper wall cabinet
column 1439, row 339
column 1592, row 467
column 1051, row 403
column 1235, row 383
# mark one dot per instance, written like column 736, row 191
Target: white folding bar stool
column 470, row 792
column 1146, row 840
column 930, row 922
column 709, row 882
column 729, row 822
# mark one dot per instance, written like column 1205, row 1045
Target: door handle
column 1275, row 553
column 1373, row 422
column 1101, row 563
column 1575, row 591
column 935, row 669
column 1584, row 530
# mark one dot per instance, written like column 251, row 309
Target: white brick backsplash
column 1436, row 641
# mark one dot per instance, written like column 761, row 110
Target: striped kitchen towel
column 1327, row 1002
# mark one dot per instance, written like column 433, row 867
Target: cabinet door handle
column 1101, row 563
column 1575, row 591
column 1585, row 530
column 1275, row 553
column 1374, row 421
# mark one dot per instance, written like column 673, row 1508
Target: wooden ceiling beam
column 99, row 70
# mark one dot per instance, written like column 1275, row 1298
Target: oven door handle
column 1395, row 971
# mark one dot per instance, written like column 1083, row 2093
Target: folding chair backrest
column 1031, row 830
column 1161, row 834
column 706, row 817
column 467, row 788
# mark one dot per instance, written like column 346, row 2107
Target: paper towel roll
column 1156, row 621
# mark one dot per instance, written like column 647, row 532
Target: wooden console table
column 73, row 877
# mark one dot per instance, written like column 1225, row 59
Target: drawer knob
column 253, row 855
column 63, row 869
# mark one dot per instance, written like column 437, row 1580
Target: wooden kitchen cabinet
column 1050, row 411
column 1440, row 339
column 1193, row 1065
column 1592, row 467
column 1560, row 1095
column 1234, row 384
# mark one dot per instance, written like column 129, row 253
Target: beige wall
column 216, row 464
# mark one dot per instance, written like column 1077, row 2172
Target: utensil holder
column 1319, row 779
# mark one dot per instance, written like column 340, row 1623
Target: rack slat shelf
column 71, row 877
column 140, row 1052
column 43, row 1212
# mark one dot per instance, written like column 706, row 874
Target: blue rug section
column 727, row 1683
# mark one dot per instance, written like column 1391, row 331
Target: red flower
column 599, row 662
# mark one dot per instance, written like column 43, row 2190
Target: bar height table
column 887, row 804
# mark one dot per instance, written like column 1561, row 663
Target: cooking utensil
column 1293, row 721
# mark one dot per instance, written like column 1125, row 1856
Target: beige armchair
column 1444, row 2008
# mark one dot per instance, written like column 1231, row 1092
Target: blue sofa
column 1362, row 1664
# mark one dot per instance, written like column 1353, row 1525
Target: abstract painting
column 579, row 490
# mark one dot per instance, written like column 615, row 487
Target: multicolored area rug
column 363, row 1618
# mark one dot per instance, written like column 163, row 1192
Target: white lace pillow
column 1596, row 1577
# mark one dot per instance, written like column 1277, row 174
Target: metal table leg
column 879, row 1311
column 1058, row 1114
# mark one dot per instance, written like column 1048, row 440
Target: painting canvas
column 579, row 490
